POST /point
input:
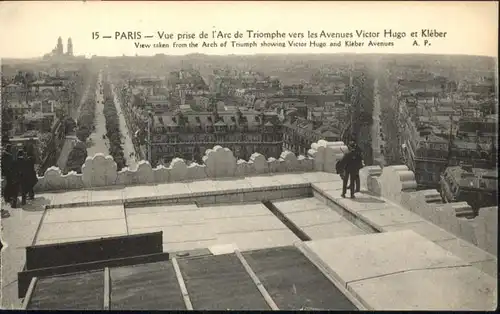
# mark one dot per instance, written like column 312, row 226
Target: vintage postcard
column 199, row 155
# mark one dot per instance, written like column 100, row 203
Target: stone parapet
column 100, row 170
column 397, row 184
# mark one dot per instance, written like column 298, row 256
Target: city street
column 68, row 142
column 128, row 146
column 378, row 155
column 388, row 116
column 76, row 113
column 96, row 143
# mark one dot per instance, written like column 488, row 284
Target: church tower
column 59, row 48
column 70, row 47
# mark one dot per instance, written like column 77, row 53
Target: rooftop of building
column 252, row 119
column 474, row 178
column 257, row 234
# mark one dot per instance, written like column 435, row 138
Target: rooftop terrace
column 262, row 234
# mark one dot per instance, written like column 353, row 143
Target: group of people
column 18, row 171
column 348, row 168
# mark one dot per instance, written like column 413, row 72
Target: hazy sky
column 30, row 29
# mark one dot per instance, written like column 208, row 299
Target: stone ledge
column 345, row 211
column 212, row 197
column 372, row 261
column 371, row 218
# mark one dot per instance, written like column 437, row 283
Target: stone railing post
column 326, row 154
column 367, row 178
column 395, row 180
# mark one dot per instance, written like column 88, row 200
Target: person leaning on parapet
column 29, row 174
column 348, row 168
column 358, row 165
column 7, row 164
column 11, row 166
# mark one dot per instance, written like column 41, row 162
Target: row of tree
column 113, row 128
column 85, row 125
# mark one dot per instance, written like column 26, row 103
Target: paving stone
column 183, row 233
column 360, row 203
column 188, row 245
column 490, row 267
column 298, row 205
column 232, row 185
column 425, row 229
column 319, row 216
column 13, row 260
column 140, row 193
column 390, row 216
column 460, row 288
column 246, row 224
column 71, row 197
column 332, row 230
column 246, row 241
column 243, row 210
column 177, row 189
column 328, row 186
column 290, row 179
column 102, row 196
column 164, row 219
column 54, row 241
column 68, row 230
column 320, row 176
column 160, row 209
column 73, row 214
column 372, row 255
column 466, row 251
column 265, row 181
column 202, row 187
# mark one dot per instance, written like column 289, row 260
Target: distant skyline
column 30, row 29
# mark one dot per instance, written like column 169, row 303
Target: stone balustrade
column 397, row 184
column 101, row 171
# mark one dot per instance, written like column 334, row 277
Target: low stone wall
column 100, row 170
column 397, row 184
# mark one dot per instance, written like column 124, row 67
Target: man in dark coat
column 30, row 172
column 7, row 164
column 12, row 175
column 358, row 165
column 349, row 167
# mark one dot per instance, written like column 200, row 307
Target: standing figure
column 15, row 180
column 358, row 164
column 22, row 175
column 29, row 172
column 7, row 164
column 349, row 166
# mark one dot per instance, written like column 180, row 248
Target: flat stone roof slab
column 74, row 214
column 425, row 229
column 459, row 288
column 68, row 231
column 367, row 256
column 389, row 216
column 466, row 251
column 332, row 230
column 298, row 205
column 160, row 209
column 247, row 241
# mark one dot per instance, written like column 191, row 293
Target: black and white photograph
column 206, row 155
